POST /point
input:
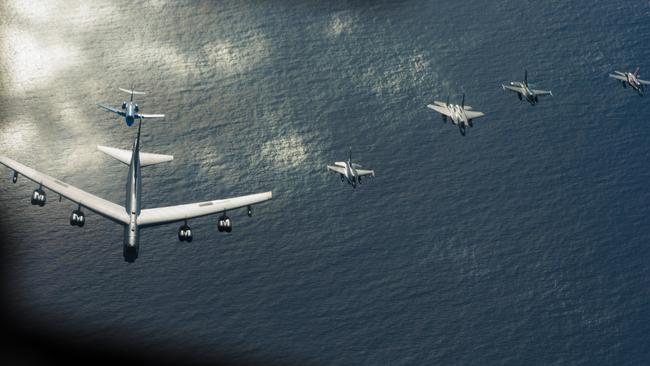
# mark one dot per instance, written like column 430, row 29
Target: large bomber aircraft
column 130, row 111
column 523, row 90
column 631, row 79
column 132, row 216
column 461, row 115
column 350, row 171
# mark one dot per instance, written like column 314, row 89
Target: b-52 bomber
column 461, row 115
column 523, row 90
column 131, row 215
column 130, row 111
column 631, row 79
column 350, row 171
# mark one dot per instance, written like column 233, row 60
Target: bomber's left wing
column 149, row 116
column 101, row 206
column 162, row 215
column 617, row 76
column 111, row 109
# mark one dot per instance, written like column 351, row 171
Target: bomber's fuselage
column 133, row 194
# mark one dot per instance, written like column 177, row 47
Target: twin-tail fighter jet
column 523, row 90
column 350, row 171
column 461, row 115
column 131, row 215
column 631, row 79
column 130, row 111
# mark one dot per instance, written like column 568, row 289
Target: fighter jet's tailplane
column 125, row 156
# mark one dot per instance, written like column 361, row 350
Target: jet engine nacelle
column 123, row 105
column 15, row 177
column 249, row 211
column 224, row 224
column 77, row 218
column 342, row 177
column 519, row 95
column 185, row 233
column 38, row 197
column 136, row 108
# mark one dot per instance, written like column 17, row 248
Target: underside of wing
column 150, row 116
column 364, row 172
column 111, row 109
column 474, row 114
column 619, row 77
column 161, row 215
column 101, row 206
column 336, row 169
column 440, row 109
column 515, row 89
column 645, row 82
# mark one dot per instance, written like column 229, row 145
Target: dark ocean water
column 524, row 242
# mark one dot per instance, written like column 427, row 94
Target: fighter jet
column 523, row 90
column 131, row 215
column 631, row 79
column 350, row 171
column 461, row 115
column 129, row 109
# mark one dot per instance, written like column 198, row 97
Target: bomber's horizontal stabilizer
column 125, row 156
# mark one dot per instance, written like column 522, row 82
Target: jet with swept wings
column 523, row 90
column 461, row 115
column 349, row 171
column 631, row 79
column 130, row 110
column 131, row 215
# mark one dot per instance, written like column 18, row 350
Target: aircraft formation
column 133, row 217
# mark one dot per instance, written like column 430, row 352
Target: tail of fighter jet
column 526, row 77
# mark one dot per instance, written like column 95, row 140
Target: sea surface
column 525, row 242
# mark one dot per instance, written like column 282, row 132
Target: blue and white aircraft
column 130, row 111
column 131, row 215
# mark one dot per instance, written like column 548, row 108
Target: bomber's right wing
column 162, row 215
column 643, row 81
column 619, row 77
column 336, row 169
column 111, row 109
column 442, row 109
column 101, row 206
